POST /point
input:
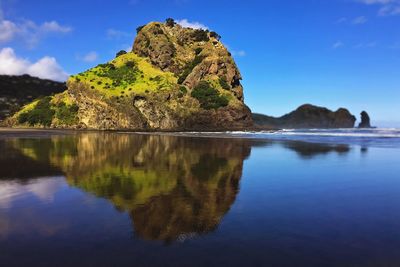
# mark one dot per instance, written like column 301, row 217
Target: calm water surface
column 118, row 199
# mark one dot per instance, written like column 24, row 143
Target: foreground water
column 294, row 198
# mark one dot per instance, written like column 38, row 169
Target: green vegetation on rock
column 170, row 22
column 45, row 110
column 200, row 35
column 224, row 84
column 208, row 96
column 215, row 35
column 120, row 53
column 67, row 114
column 40, row 114
column 120, row 76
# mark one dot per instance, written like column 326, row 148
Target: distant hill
column 308, row 116
column 17, row 91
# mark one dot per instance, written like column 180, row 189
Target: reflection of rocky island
column 309, row 150
column 172, row 187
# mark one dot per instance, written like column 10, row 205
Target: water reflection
column 30, row 222
column 15, row 162
column 173, row 188
column 310, row 150
column 111, row 199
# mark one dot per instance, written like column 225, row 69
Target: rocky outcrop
column 17, row 91
column 365, row 120
column 174, row 78
column 192, row 55
column 308, row 116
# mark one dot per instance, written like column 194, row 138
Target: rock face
column 308, row 116
column 174, row 78
column 17, row 91
column 365, row 120
column 192, row 55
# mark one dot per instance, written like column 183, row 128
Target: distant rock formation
column 308, row 116
column 365, row 120
column 17, row 91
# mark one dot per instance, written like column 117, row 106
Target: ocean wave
column 377, row 133
column 378, row 137
column 369, row 133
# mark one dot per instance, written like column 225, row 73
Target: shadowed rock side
column 17, row 91
column 26, row 168
column 174, row 78
column 308, row 116
column 365, row 120
column 173, row 188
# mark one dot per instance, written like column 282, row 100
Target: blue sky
column 333, row 53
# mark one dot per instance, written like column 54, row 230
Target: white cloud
column 372, row 2
column 387, row 7
column 395, row 46
column 45, row 68
column 359, row 20
column 341, row 20
column 389, row 10
column 90, row 57
column 356, row 21
column 366, row 45
column 28, row 31
column 194, row 25
column 235, row 53
column 337, row 45
column 7, row 31
column 53, row 26
column 44, row 189
column 116, row 34
column 239, row 53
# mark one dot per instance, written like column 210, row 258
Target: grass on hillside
column 42, row 111
column 126, row 74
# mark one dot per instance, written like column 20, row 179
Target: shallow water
column 120, row 199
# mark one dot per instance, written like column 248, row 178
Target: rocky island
column 174, row 78
column 365, row 120
column 308, row 116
